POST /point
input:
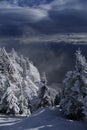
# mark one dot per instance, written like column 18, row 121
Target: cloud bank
column 58, row 16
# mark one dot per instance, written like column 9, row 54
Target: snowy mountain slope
column 46, row 119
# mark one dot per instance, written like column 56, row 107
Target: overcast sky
column 58, row 16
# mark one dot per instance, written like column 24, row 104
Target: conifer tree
column 45, row 93
column 9, row 102
column 75, row 90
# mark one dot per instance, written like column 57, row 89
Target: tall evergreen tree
column 75, row 90
column 9, row 102
column 45, row 93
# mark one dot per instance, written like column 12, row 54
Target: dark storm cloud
column 14, row 21
column 69, row 20
column 20, row 15
column 59, row 16
column 68, row 16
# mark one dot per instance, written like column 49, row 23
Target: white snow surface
column 43, row 119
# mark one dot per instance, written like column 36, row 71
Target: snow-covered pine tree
column 85, row 107
column 27, row 64
column 13, row 53
column 7, row 64
column 1, row 61
column 3, row 58
column 23, row 100
column 57, row 99
column 24, row 66
column 9, row 102
column 45, row 99
column 73, row 101
column 44, row 79
column 14, row 56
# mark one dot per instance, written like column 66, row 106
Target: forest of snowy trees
column 74, row 94
column 22, row 89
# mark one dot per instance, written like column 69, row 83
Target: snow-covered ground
column 43, row 119
column 9, row 120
